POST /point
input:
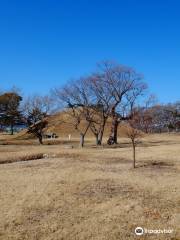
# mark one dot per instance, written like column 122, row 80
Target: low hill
column 61, row 124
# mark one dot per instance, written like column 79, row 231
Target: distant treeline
column 113, row 91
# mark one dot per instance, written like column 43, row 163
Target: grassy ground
column 91, row 193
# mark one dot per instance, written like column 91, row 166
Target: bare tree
column 158, row 117
column 77, row 101
column 43, row 104
column 36, row 108
column 146, row 115
column 79, row 123
column 101, row 105
column 37, row 129
column 133, row 134
column 119, row 82
column 102, row 95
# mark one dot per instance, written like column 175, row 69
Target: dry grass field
column 92, row 193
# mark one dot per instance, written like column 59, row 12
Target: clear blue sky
column 44, row 43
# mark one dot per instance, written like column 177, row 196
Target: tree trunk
column 81, row 144
column 40, row 139
column 12, row 129
column 114, row 128
column 116, row 123
column 101, row 133
column 100, row 136
column 134, row 154
column 96, row 136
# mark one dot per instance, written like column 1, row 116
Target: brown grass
column 90, row 193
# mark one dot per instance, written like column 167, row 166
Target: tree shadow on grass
column 156, row 165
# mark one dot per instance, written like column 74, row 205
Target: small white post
column 69, row 137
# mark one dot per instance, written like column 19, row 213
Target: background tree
column 10, row 113
column 36, row 109
column 159, row 118
column 37, row 129
column 145, row 114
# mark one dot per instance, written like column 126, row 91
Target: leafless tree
column 121, row 84
column 101, row 105
column 37, row 129
column 36, row 108
column 159, row 117
column 133, row 134
column 77, row 101
column 43, row 104
column 106, row 93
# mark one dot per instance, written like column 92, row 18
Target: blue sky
column 44, row 43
